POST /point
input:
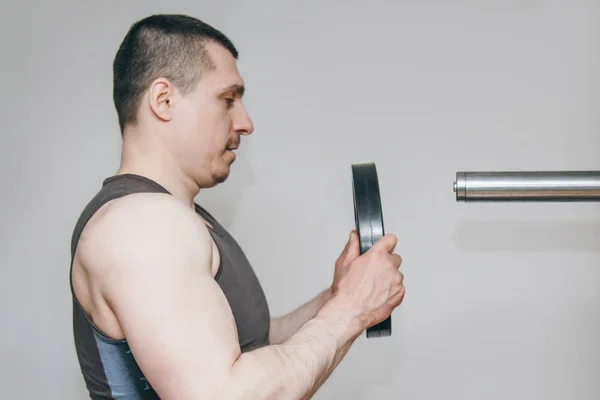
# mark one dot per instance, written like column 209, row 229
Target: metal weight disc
column 368, row 216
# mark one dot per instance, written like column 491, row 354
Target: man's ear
column 160, row 96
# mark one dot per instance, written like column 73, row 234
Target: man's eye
column 229, row 102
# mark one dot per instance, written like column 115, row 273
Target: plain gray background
column 502, row 299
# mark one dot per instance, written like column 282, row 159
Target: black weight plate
column 368, row 215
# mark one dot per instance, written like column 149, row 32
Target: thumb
column 387, row 243
column 353, row 247
column 351, row 250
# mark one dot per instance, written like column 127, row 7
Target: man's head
column 177, row 86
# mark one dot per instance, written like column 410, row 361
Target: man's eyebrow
column 236, row 88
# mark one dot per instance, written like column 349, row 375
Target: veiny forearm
column 296, row 368
column 284, row 327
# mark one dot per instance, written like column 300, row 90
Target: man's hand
column 371, row 283
column 367, row 286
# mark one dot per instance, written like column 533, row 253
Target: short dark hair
column 162, row 45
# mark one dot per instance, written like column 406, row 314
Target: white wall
column 502, row 299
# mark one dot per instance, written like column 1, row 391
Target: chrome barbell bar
column 546, row 186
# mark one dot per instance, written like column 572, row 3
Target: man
column 165, row 303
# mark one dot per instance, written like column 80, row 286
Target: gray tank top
column 108, row 366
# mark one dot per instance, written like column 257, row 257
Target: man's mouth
column 233, row 145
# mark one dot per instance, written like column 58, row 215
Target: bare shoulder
column 143, row 229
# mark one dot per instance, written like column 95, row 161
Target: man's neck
column 161, row 170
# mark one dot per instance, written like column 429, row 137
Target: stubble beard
column 221, row 173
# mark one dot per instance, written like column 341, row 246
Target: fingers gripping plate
column 368, row 216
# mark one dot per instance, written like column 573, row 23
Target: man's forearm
column 284, row 327
column 296, row 368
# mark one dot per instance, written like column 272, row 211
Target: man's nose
column 243, row 124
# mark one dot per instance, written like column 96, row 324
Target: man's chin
column 222, row 175
column 221, row 179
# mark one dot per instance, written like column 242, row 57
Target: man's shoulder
column 135, row 209
column 141, row 224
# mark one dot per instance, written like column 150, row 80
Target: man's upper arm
column 153, row 255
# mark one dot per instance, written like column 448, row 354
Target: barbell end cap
column 460, row 186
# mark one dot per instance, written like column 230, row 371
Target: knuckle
column 399, row 279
